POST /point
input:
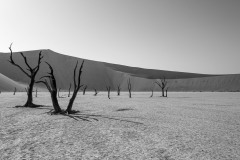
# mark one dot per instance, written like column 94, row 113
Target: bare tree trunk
column 96, row 92
column 152, row 93
column 108, row 89
column 84, row 89
column 59, row 93
column 167, row 90
column 129, row 88
column 69, row 90
column 15, row 90
column 118, row 90
column 52, row 88
column 77, row 86
column 30, row 90
column 55, row 104
column 162, row 92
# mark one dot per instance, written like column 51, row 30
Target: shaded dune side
column 100, row 74
column 7, row 84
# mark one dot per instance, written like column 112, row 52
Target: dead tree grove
column 109, row 90
column 129, row 88
column 31, row 73
column 162, row 85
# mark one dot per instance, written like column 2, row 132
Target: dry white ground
column 196, row 126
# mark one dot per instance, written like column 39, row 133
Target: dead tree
column 162, row 85
column 31, row 73
column 84, row 89
column 59, row 92
column 118, row 90
column 167, row 90
column 69, row 90
column 152, row 93
column 36, row 92
column 52, row 88
column 15, row 90
column 129, row 88
column 96, row 92
column 152, row 88
column 77, row 86
column 108, row 89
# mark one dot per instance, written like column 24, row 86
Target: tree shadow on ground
column 124, row 109
column 95, row 116
column 77, row 115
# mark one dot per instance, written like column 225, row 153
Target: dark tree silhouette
column 118, row 89
column 129, row 88
column 109, row 90
column 77, row 86
column 31, row 73
column 15, row 90
column 52, row 88
column 84, row 89
column 69, row 90
column 162, row 85
column 96, row 92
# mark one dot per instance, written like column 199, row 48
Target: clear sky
column 201, row 36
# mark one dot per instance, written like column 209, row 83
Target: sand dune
column 99, row 74
column 7, row 84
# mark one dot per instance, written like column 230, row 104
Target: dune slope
column 99, row 74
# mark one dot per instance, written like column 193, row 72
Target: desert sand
column 184, row 126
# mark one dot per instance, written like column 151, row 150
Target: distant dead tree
column 31, row 73
column 52, row 88
column 36, row 92
column 162, row 85
column 108, row 89
column 77, row 86
column 96, row 92
column 167, row 90
column 152, row 93
column 129, row 88
column 152, row 88
column 84, row 89
column 15, row 90
column 59, row 92
column 118, row 89
column 69, row 90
